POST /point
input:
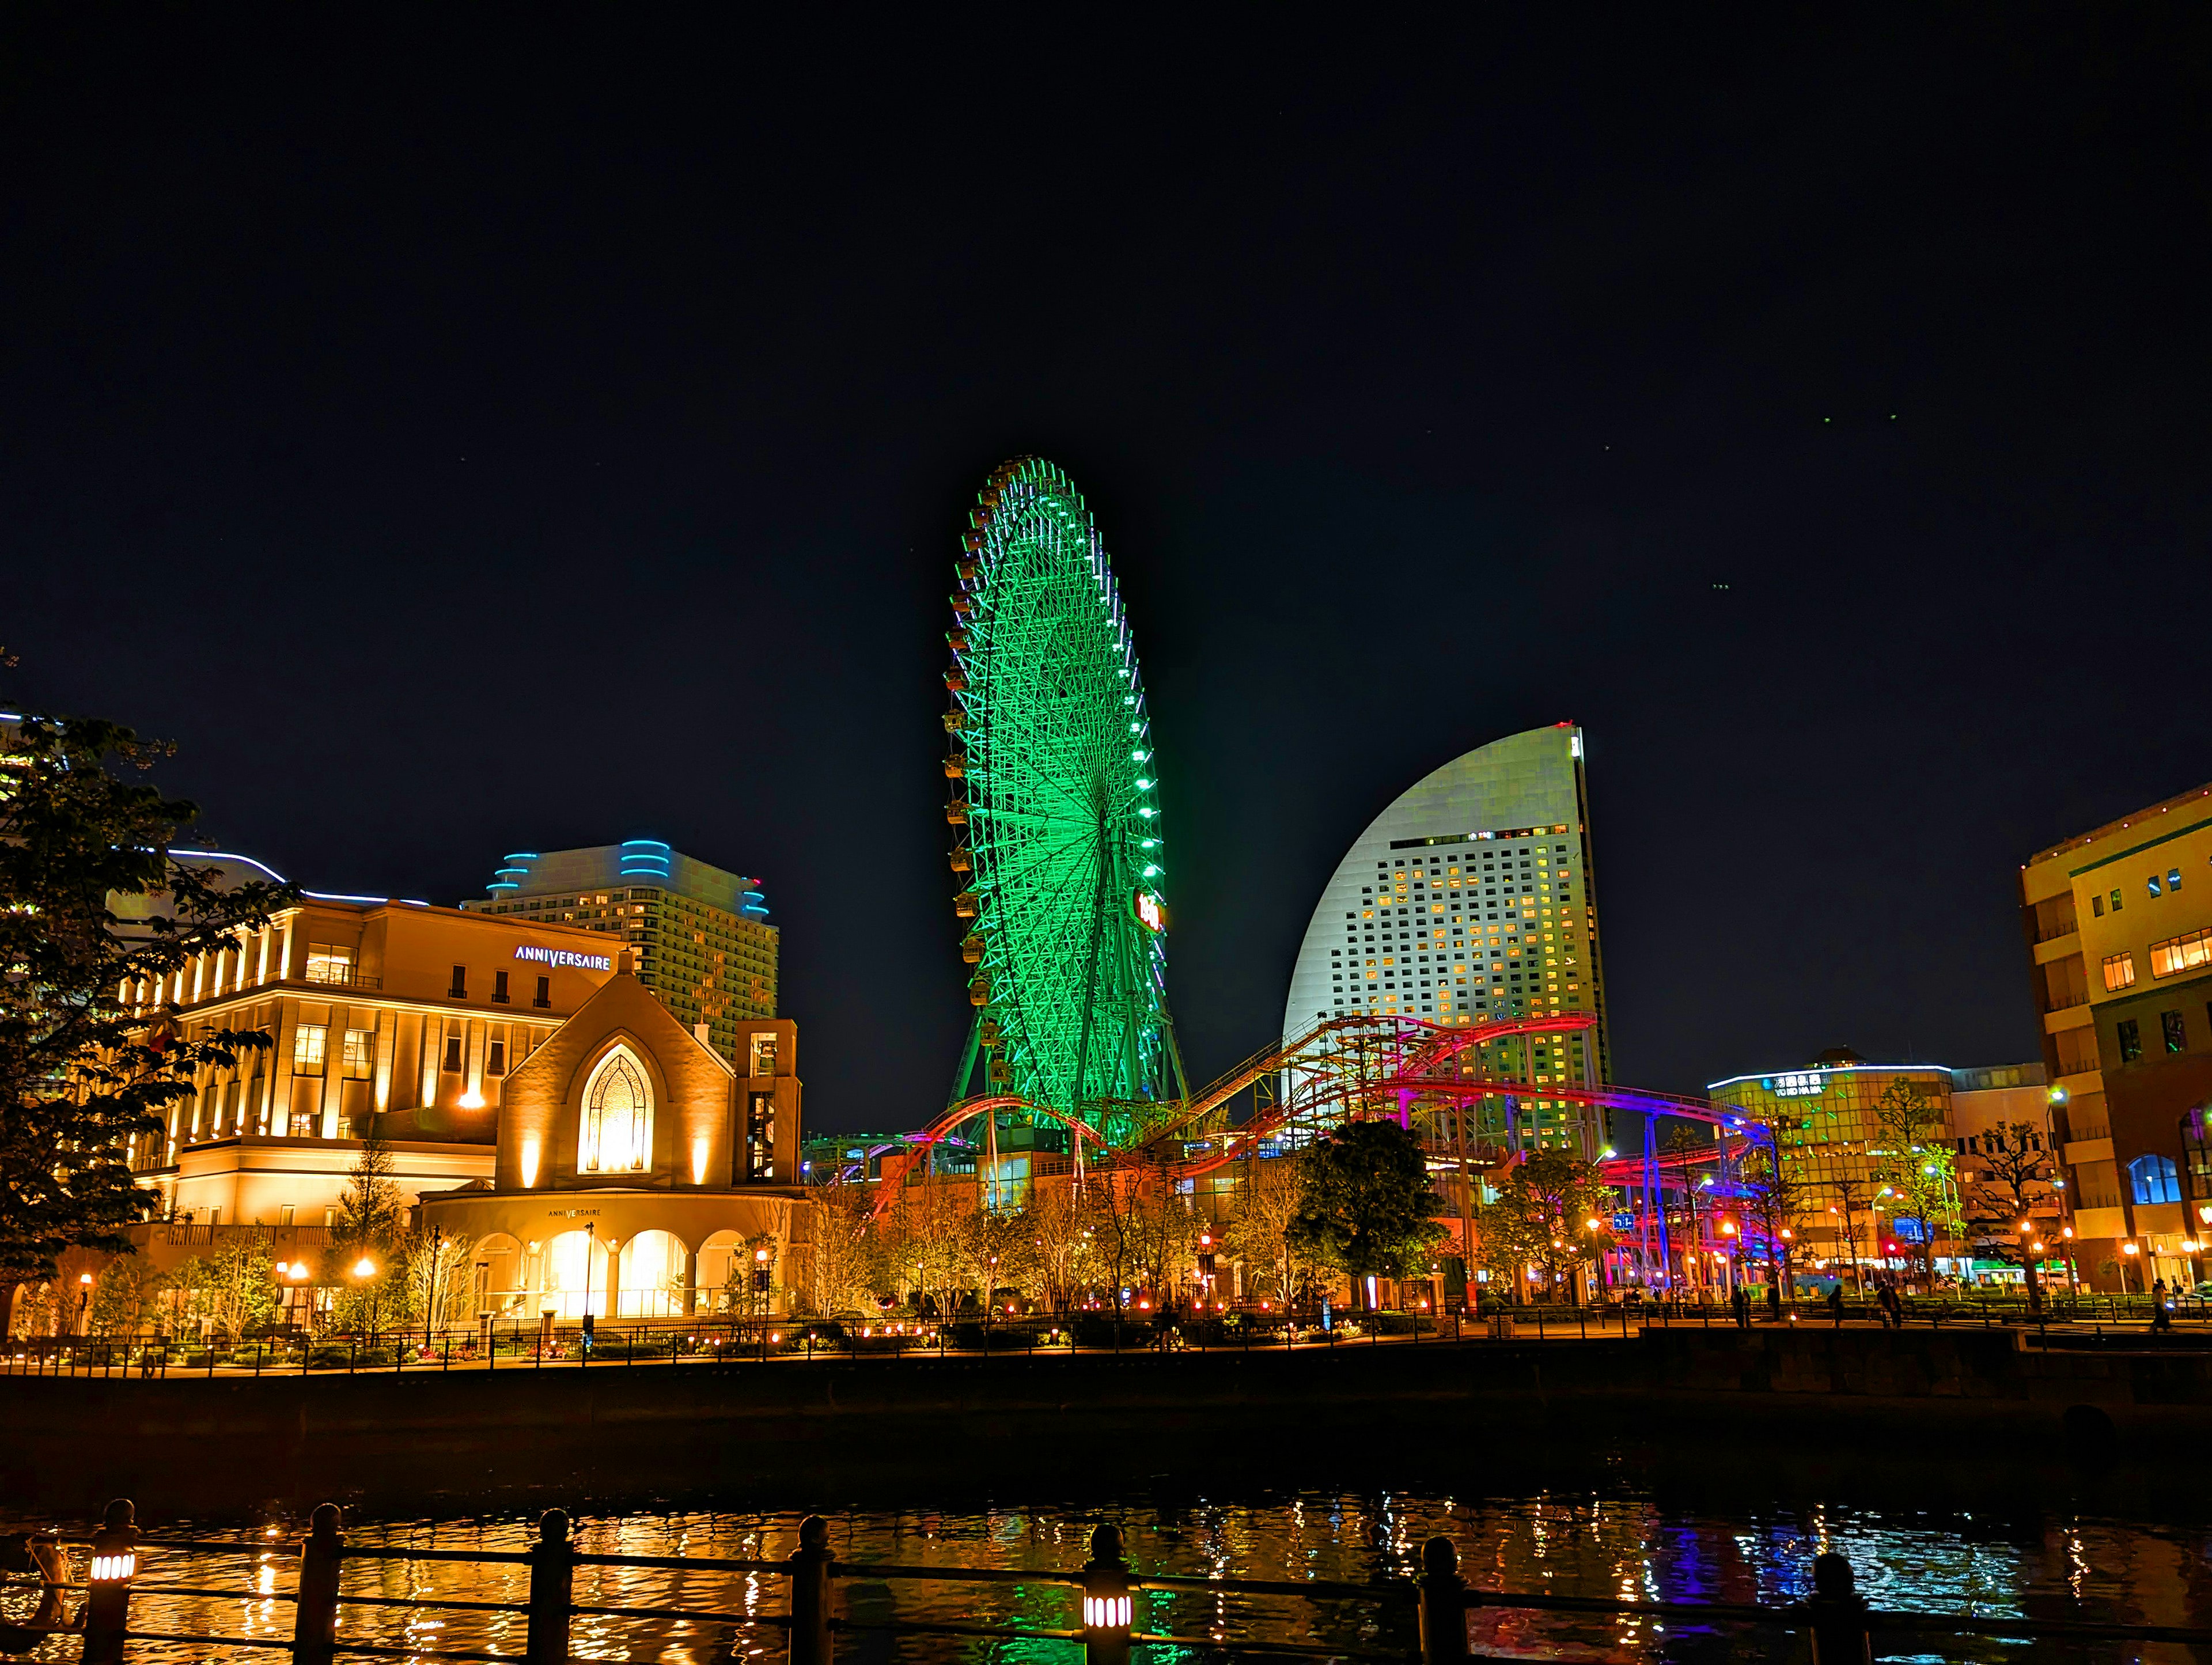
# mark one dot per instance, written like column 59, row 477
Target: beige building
column 2001, row 1122
column 2118, row 924
column 389, row 1017
column 638, row 1172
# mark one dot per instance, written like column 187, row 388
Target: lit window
column 307, row 1041
column 2177, row 954
column 2173, row 878
column 617, row 1129
column 2115, row 900
column 2119, row 971
column 2154, row 1179
column 2151, row 883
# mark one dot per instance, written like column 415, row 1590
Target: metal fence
column 1103, row 1608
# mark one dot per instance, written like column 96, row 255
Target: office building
column 2002, row 1126
column 2119, row 923
column 700, row 933
column 1471, row 897
column 1823, row 1118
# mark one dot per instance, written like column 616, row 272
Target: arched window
column 2156, row 1179
column 618, row 1132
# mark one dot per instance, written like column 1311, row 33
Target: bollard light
column 1108, row 1609
column 107, row 1602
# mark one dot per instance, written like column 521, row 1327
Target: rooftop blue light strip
column 1826, row 1069
column 225, row 855
column 645, row 843
column 521, row 855
column 326, row 896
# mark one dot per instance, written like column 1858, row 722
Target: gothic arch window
column 618, row 1131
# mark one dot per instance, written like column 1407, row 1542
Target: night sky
column 528, row 430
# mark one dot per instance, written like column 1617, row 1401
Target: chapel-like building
column 639, row 1173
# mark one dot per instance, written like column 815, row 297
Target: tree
column 371, row 1209
column 840, row 1269
column 1258, row 1232
column 1775, row 1197
column 1365, row 1203
column 129, row 1297
column 1063, row 1257
column 436, row 1286
column 2013, row 1180
column 1915, row 1165
column 89, row 1058
column 1541, row 1218
column 232, row 1290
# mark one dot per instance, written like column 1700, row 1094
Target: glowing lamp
column 84, row 1277
column 2130, row 1249
column 364, row 1267
column 1107, row 1608
column 529, row 1163
column 472, row 1100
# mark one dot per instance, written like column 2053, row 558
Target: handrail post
column 315, row 1621
column 1837, row 1612
column 810, row 1567
column 107, row 1603
column 1443, row 1604
column 1107, row 1608
column 552, row 1569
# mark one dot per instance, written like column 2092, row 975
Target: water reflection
column 1627, row 1545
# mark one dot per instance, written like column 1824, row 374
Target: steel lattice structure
column 1056, row 832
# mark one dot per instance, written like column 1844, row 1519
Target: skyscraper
column 701, row 934
column 1471, row 895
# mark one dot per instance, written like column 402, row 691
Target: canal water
column 2061, row 1557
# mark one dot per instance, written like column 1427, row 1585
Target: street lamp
column 363, row 1270
column 2126, row 1249
column 84, row 1302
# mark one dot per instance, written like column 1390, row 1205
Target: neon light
column 225, row 855
column 564, row 956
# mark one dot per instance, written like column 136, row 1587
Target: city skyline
column 1798, row 414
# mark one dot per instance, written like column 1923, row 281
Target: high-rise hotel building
column 1469, row 897
column 701, row 934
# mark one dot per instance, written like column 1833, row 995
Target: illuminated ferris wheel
column 1057, row 843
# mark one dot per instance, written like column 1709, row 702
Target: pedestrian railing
column 1430, row 1613
column 519, row 1345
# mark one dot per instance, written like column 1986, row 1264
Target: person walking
column 1836, row 1305
column 1739, row 1303
column 1773, row 1300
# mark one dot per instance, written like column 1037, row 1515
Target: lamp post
column 431, row 1305
column 1107, row 1608
column 107, row 1601
column 83, row 1302
column 761, row 1281
column 363, row 1270
column 2126, row 1249
column 591, row 1243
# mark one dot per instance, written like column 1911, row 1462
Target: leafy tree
column 1365, row 1203
column 85, row 1068
column 1267, row 1204
column 233, row 1290
column 1775, row 1197
column 436, row 1281
column 2013, row 1180
column 1916, row 1166
column 1063, row 1259
column 128, row 1298
column 842, row 1267
column 1541, row 1218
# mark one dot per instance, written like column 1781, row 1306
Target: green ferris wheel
column 1057, row 844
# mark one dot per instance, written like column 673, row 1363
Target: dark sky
column 530, row 431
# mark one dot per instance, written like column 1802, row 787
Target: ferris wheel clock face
column 1057, row 846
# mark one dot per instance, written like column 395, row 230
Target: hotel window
column 453, row 1066
column 327, row 963
column 498, row 988
column 496, row 1058
column 307, row 1042
column 2151, row 884
column 2178, row 954
column 617, row 1130
column 2115, row 900
column 2131, row 1040
column 2097, row 906
column 544, row 994
column 2119, row 971
column 360, row 1055
column 2170, row 1027
column 459, row 991
column 2172, row 879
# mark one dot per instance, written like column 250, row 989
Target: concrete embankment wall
column 826, row 1429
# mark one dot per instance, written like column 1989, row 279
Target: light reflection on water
column 2054, row 1565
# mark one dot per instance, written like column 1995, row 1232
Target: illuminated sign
column 1805, row 1085
column 1152, row 913
column 565, row 957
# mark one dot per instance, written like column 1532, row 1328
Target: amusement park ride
column 1059, row 859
